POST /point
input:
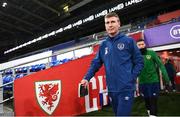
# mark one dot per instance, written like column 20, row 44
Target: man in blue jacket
column 123, row 62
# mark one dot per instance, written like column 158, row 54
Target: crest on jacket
column 120, row 46
column 148, row 57
column 48, row 94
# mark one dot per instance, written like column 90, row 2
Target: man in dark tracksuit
column 123, row 62
column 149, row 79
column 171, row 72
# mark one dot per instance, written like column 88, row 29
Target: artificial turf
column 168, row 105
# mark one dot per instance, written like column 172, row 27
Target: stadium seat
column 16, row 70
column 8, row 71
column 65, row 60
column 42, row 66
column 19, row 76
column 55, row 63
column 7, row 79
column 37, row 68
column 20, row 70
column 52, row 63
column 58, row 62
column 32, row 68
column 25, row 69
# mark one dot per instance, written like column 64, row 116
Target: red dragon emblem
column 48, row 95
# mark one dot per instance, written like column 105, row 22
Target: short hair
column 139, row 40
column 112, row 14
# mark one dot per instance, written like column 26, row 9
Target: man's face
column 141, row 44
column 112, row 25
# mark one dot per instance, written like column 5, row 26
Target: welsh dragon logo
column 48, row 94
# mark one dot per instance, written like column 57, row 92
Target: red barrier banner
column 54, row 91
column 168, row 16
column 177, row 79
column 136, row 36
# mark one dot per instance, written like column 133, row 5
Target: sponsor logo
column 175, row 32
column 48, row 95
column 120, row 46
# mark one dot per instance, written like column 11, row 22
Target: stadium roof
column 22, row 21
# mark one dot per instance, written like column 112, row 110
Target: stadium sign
column 132, row 2
column 100, row 14
column 163, row 35
column 175, row 32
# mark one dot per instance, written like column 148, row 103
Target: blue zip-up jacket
column 122, row 60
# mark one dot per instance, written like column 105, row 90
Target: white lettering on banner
column 77, row 23
column 131, row 2
column 103, row 91
column 68, row 27
column 87, row 101
column 118, row 7
column 102, row 13
column 90, row 18
column 59, row 30
column 175, row 32
column 44, row 36
column 52, row 33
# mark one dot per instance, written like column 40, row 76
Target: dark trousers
column 122, row 102
column 151, row 104
column 150, row 93
column 172, row 87
column 172, row 82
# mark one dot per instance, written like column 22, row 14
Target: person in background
column 149, row 84
column 123, row 62
column 171, row 72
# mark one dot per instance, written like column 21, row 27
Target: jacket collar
column 119, row 35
